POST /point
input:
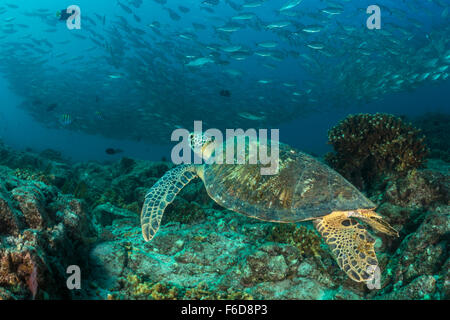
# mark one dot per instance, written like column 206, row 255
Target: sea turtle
column 303, row 189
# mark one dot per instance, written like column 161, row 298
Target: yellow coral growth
column 304, row 239
column 155, row 291
column 27, row 174
column 202, row 292
column 139, row 289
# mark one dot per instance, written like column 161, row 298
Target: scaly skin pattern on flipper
column 350, row 243
column 161, row 195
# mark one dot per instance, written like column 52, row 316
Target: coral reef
column 124, row 185
column 226, row 256
column 436, row 128
column 419, row 188
column 42, row 232
column 136, row 288
column 419, row 267
column 367, row 146
column 27, row 174
column 89, row 216
column 307, row 241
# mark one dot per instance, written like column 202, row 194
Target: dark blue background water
column 307, row 133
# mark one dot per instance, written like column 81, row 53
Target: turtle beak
column 205, row 145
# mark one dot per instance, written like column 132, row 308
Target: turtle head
column 200, row 143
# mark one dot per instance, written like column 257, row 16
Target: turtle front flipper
column 351, row 245
column 161, row 195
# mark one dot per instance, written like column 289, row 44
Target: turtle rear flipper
column 351, row 245
column 161, row 195
column 375, row 221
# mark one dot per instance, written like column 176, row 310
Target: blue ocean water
column 305, row 128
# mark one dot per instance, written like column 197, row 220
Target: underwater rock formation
column 419, row 268
column 419, row 188
column 226, row 254
column 42, row 232
column 367, row 146
column 32, row 166
column 201, row 251
column 436, row 128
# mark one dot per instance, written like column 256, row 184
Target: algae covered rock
column 124, row 185
column 419, row 188
column 202, row 251
column 42, row 232
column 105, row 214
column 203, row 261
column 421, row 260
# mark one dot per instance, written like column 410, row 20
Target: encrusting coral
column 135, row 288
column 369, row 145
column 88, row 216
column 307, row 241
column 28, row 174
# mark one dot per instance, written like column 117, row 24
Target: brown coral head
column 369, row 145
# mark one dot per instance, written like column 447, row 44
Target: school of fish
column 140, row 70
